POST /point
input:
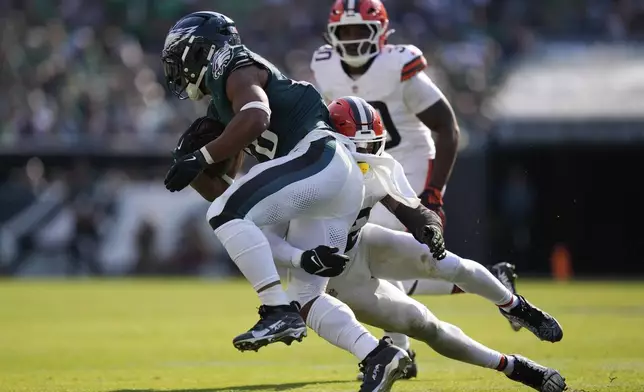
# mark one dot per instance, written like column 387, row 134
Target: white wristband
column 227, row 178
column 206, row 155
column 296, row 258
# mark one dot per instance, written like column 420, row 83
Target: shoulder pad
column 229, row 58
column 409, row 59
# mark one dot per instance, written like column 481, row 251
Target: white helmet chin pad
column 194, row 92
column 356, row 61
column 192, row 89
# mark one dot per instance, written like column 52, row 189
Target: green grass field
column 119, row 336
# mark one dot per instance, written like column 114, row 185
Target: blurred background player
column 391, row 78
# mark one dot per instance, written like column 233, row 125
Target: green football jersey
column 297, row 107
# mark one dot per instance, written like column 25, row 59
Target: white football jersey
column 396, row 86
column 373, row 193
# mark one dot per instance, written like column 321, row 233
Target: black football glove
column 432, row 198
column 433, row 238
column 324, row 261
column 184, row 170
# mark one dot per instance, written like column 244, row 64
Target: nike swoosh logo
column 318, row 263
column 180, row 144
column 191, row 159
column 266, row 331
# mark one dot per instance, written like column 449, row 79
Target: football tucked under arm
column 210, row 184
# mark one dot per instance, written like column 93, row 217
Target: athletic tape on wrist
column 206, row 155
column 227, row 178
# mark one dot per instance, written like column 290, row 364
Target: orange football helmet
column 356, row 119
column 358, row 29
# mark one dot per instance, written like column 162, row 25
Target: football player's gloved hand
column 432, row 198
column 433, row 238
column 324, row 261
column 184, row 170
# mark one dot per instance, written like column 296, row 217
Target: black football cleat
column 276, row 324
column 383, row 366
column 538, row 377
column 505, row 273
column 411, row 371
column 540, row 323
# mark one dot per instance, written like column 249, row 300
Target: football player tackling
column 306, row 176
column 359, row 62
column 377, row 253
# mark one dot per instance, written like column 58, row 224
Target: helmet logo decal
column 220, row 60
column 177, row 35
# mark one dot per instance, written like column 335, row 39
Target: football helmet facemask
column 358, row 30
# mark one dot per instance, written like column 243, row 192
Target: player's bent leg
column 430, row 287
column 399, row 340
column 474, row 278
column 381, row 216
column 380, row 304
column 273, row 192
column 332, row 319
column 504, row 272
column 402, row 341
column 397, row 255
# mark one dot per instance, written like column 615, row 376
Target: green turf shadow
column 263, row 387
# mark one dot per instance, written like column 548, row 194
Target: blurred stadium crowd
column 76, row 73
column 72, row 68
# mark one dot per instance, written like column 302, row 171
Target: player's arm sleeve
column 420, row 93
column 414, row 219
column 284, row 254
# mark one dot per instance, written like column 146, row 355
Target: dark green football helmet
column 189, row 47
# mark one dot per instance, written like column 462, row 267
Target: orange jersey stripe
column 413, row 67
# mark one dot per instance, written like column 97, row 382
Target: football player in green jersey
column 306, row 176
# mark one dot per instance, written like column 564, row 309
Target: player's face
column 355, row 32
column 367, row 147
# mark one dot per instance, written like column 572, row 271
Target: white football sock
column 248, row 248
column 509, row 367
column 428, row 287
column 335, row 322
column 510, row 304
column 472, row 278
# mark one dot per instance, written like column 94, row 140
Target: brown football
column 207, row 126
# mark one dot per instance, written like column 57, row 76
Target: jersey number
column 323, row 55
column 264, row 147
column 393, row 135
column 361, row 220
